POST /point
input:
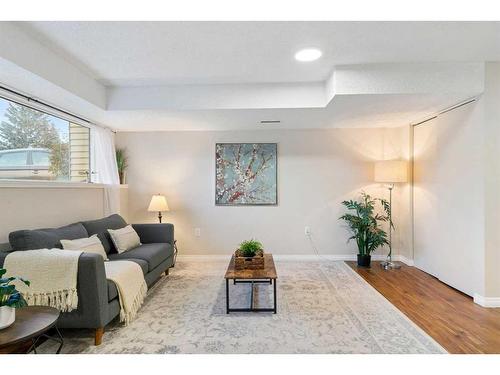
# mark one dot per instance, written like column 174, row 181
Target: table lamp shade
column 391, row 171
column 158, row 203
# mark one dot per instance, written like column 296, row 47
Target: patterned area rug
column 323, row 307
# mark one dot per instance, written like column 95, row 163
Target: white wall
column 449, row 198
column 457, row 204
column 45, row 207
column 491, row 100
column 317, row 169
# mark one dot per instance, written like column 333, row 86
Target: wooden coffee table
column 32, row 323
column 263, row 276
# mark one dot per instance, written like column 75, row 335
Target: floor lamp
column 390, row 172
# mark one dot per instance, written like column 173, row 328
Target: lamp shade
column 158, row 203
column 391, row 171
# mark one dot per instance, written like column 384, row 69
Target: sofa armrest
column 3, row 255
column 92, row 311
column 155, row 233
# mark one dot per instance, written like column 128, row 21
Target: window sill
column 49, row 184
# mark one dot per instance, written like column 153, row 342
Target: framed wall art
column 246, row 174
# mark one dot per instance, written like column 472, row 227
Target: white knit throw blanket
column 52, row 274
column 132, row 287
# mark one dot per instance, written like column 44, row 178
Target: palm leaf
column 364, row 222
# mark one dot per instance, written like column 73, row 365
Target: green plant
column 9, row 295
column 364, row 223
column 121, row 163
column 250, row 248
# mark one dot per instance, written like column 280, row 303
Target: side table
column 32, row 323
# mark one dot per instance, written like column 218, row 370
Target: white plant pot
column 7, row 316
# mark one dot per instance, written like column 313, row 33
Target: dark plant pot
column 364, row 260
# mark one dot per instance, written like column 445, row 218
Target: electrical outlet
column 197, row 232
column 307, row 231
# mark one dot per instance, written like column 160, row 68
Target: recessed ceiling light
column 308, row 54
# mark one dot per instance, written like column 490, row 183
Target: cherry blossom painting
column 246, row 174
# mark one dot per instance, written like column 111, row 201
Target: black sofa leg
column 98, row 336
column 166, row 272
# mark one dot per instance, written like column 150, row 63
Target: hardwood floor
column 447, row 315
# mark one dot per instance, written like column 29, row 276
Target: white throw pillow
column 125, row 238
column 88, row 245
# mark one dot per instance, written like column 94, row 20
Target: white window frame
column 49, row 110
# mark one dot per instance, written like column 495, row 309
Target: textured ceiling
column 158, row 53
column 64, row 63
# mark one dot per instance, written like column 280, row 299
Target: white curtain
column 104, row 169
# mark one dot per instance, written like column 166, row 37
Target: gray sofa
column 97, row 297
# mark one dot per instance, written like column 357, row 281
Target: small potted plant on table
column 364, row 224
column 10, row 299
column 250, row 255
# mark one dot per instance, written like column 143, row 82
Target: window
column 37, row 146
column 40, row 158
column 14, row 159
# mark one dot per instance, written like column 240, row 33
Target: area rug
column 323, row 307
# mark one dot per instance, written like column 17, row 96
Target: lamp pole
column 388, row 264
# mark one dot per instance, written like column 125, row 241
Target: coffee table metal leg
column 227, row 296
column 273, row 309
column 251, row 296
column 275, row 305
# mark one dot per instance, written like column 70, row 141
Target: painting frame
column 275, row 176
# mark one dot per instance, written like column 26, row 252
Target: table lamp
column 391, row 172
column 158, row 204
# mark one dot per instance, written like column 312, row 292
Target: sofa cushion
column 90, row 244
column 141, row 262
column 153, row 253
column 101, row 226
column 47, row 238
column 113, row 291
column 124, row 239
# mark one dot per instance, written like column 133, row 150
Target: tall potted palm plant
column 364, row 223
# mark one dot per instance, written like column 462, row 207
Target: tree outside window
column 27, row 129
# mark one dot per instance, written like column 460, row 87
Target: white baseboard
column 295, row 258
column 405, row 260
column 312, row 257
column 204, row 258
column 486, row 301
column 397, row 258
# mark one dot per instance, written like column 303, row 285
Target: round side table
column 32, row 323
